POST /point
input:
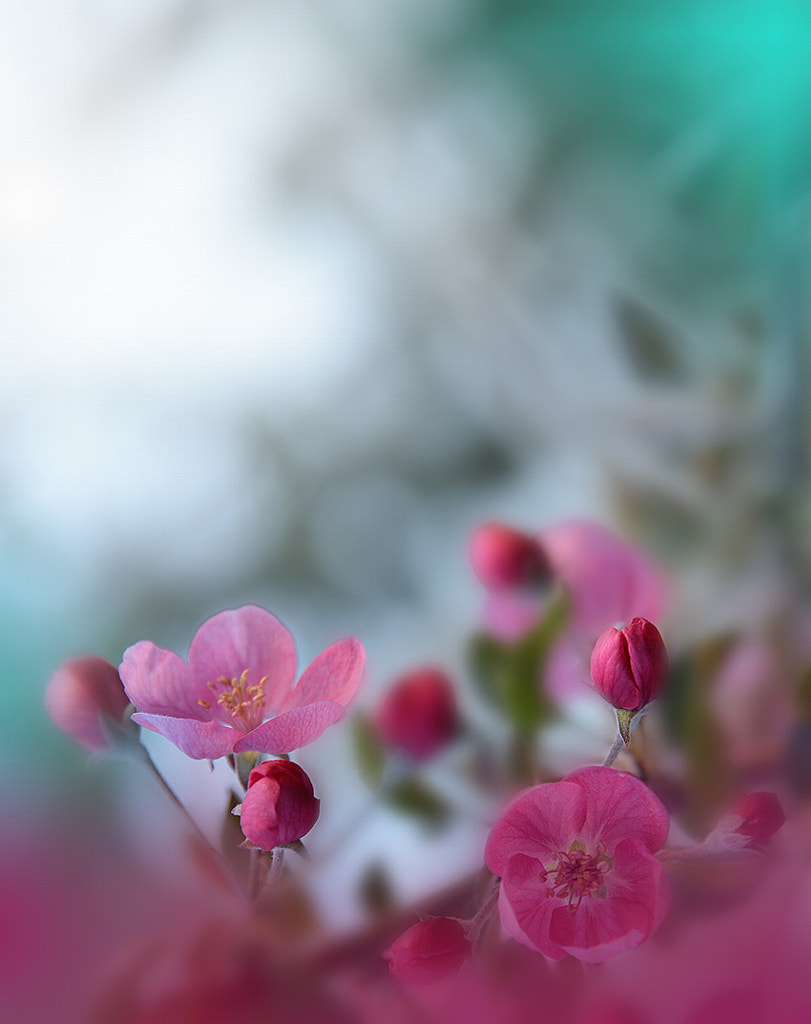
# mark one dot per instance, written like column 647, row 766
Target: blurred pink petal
column 610, row 580
column 79, row 693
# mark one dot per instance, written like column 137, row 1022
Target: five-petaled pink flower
column 577, row 865
column 236, row 692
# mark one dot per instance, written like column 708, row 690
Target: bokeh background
column 295, row 294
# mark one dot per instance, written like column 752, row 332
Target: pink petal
column 208, row 740
column 246, row 638
column 161, row 683
column 524, row 907
column 292, row 729
column 509, row 614
column 334, row 675
column 540, row 821
column 610, row 580
column 619, row 805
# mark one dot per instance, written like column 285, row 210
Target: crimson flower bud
column 418, row 714
column 754, row 819
column 761, row 816
column 506, row 559
column 429, row 951
column 628, row 666
column 79, row 693
column 279, row 806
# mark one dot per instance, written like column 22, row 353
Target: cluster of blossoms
column 574, row 868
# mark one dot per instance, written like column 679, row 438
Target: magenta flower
column 280, row 805
column 236, row 692
column 577, row 865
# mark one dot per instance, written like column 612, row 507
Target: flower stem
column 222, row 864
column 614, row 751
column 476, row 924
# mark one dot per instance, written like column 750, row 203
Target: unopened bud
column 506, row 559
column 279, row 806
column 628, row 666
column 429, row 951
column 80, row 693
column 418, row 715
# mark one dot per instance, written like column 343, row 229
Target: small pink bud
column 754, row 819
column 418, row 714
column 280, row 806
column 628, row 666
column 506, row 559
column 761, row 816
column 429, row 951
column 79, row 693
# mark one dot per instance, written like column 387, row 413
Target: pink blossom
column 577, row 865
column 418, row 714
column 628, row 666
column 79, row 693
column 429, row 951
column 279, row 806
column 609, row 579
column 236, row 692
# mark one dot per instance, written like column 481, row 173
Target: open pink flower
column 236, row 692
column 577, row 865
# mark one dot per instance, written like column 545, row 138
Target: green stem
column 221, row 862
column 614, row 751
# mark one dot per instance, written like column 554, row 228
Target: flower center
column 577, row 873
column 244, row 703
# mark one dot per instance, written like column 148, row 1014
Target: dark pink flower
column 236, row 692
column 577, row 865
column 505, row 559
column 628, row 666
column 279, row 806
column 429, row 951
column 418, row 714
column 79, row 693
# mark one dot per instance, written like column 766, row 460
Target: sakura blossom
column 235, row 693
column 577, row 864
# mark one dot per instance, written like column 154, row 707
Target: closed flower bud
column 418, row 715
column 628, row 666
column 79, row 693
column 506, row 559
column 429, row 951
column 280, row 806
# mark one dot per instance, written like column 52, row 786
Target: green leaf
column 375, row 891
column 510, row 675
column 369, row 752
column 414, row 797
